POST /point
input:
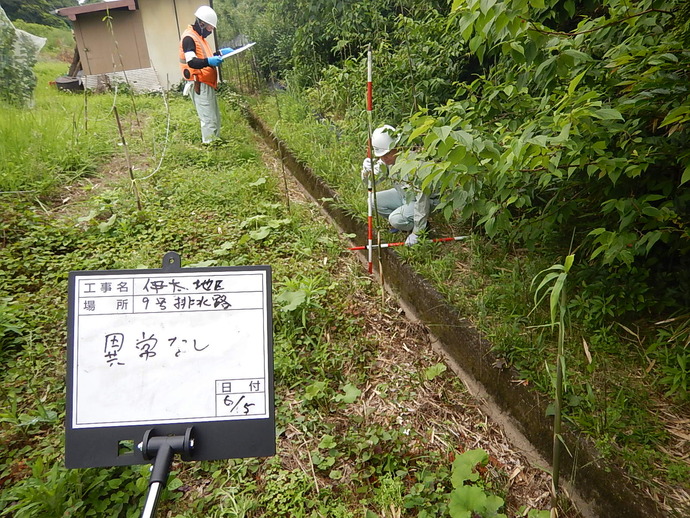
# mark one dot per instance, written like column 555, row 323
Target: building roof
column 73, row 12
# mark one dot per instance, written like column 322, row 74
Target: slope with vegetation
column 361, row 400
column 39, row 12
column 550, row 129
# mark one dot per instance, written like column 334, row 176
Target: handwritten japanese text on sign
column 170, row 348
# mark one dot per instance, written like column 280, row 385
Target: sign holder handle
column 161, row 449
column 171, row 262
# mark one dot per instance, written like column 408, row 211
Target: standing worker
column 198, row 64
column 406, row 208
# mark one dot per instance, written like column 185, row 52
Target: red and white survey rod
column 370, row 183
column 402, row 243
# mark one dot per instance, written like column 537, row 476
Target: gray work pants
column 392, row 205
column 206, row 104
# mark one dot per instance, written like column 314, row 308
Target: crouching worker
column 407, row 208
column 199, row 69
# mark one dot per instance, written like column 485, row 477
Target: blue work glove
column 226, row 50
column 214, row 61
column 412, row 239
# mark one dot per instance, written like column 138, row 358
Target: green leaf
column 679, row 114
column 174, row 484
column 468, row 21
column 547, row 278
column 351, row 393
column 570, row 7
column 544, row 65
column 426, row 124
column 475, row 42
column 607, row 114
column 443, row 132
column 464, row 464
column 568, row 262
column 575, row 81
column 327, row 442
column 486, row 5
column 556, row 295
column 466, row 138
column 107, row 225
column 314, row 390
column 434, row 371
column 686, row 175
column 262, row 233
column 85, row 219
column 577, row 55
column 493, row 504
column 466, row 500
column 517, row 47
column 260, row 181
column 291, row 300
column 457, row 4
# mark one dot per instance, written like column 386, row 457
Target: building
column 131, row 41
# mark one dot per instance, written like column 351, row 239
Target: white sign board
column 169, row 347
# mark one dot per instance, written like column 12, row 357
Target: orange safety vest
column 208, row 75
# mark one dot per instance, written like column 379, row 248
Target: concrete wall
column 102, row 51
column 164, row 22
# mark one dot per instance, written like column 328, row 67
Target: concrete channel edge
column 607, row 492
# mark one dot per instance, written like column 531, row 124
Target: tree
column 37, row 11
column 541, row 121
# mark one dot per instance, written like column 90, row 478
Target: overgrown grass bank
column 626, row 383
column 62, row 138
column 369, row 421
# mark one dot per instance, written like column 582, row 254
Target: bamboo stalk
column 129, row 161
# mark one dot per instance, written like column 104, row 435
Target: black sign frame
column 120, row 445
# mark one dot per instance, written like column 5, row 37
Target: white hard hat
column 383, row 139
column 208, row 15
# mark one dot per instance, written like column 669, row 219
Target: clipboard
column 237, row 51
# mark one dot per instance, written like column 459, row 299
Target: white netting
column 18, row 55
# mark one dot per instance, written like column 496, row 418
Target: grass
column 625, row 376
column 59, row 44
column 68, row 149
column 361, row 401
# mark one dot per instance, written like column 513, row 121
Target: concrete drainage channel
column 598, row 487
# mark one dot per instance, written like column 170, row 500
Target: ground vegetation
column 549, row 129
column 362, row 400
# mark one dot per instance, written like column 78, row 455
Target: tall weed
column 48, row 145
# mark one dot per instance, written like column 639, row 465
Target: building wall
column 164, row 22
column 115, row 46
column 143, row 80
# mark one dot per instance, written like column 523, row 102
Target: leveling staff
column 198, row 64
